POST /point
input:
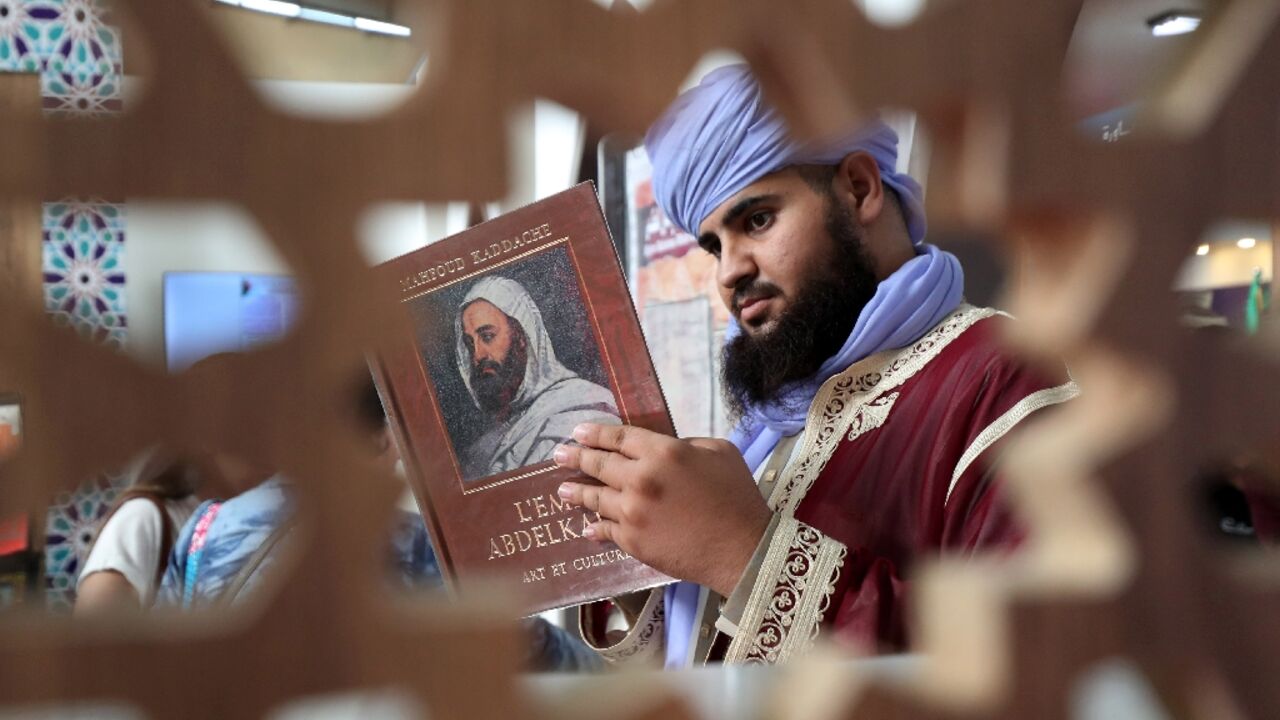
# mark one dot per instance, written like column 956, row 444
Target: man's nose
column 737, row 262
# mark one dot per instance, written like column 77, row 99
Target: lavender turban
column 720, row 137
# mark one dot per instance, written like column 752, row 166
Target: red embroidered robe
column 894, row 466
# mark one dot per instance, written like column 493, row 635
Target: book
column 522, row 328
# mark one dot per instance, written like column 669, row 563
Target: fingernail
column 561, row 455
column 580, row 433
column 589, row 532
column 564, row 490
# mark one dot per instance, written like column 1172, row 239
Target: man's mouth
column 753, row 308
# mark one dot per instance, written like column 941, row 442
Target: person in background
column 226, row 549
column 129, row 556
column 228, row 546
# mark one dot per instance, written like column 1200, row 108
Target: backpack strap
column 168, row 533
column 231, row 590
column 195, row 551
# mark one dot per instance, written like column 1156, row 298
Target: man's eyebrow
column 739, row 209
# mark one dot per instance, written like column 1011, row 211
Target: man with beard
column 510, row 368
column 870, row 400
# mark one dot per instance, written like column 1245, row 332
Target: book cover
column 523, row 327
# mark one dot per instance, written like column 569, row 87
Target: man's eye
column 711, row 246
column 759, row 221
column 487, row 337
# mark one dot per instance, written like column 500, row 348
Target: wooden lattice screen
column 1095, row 234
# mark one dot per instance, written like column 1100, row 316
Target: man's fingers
column 602, row 500
column 599, row 464
column 566, row 456
column 625, row 439
column 603, row 531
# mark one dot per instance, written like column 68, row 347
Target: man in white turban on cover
column 509, row 366
column 871, row 401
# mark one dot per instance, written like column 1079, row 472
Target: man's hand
column 688, row 508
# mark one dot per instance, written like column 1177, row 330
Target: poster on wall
column 14, row 535
column 679, row 338
column 721, row 425
column 674, row 284
column 664, row 264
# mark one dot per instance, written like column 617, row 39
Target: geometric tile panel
column 84, row 60
column 84, row 268
column 84, row 284
column 22, row 37
column 84, row 288
column 79, row 57
column 71, row 526
column 80, row 60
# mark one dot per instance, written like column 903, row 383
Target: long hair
column 164, row 474
column 159, row 476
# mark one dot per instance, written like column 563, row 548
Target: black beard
column 756, row 369
column 495, row 392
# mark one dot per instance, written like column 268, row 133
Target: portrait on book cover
column 515, row 363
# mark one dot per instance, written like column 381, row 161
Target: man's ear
column 858, row 183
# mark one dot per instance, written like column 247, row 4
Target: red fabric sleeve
column 937, row 514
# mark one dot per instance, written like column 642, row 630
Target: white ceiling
column 1113, row 54
column 1112, row 57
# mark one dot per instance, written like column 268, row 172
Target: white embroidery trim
column 1006, row 422
column 840, row 400
column 639, row 643
column 871, row 416
column 784, row 610
column 783, row 614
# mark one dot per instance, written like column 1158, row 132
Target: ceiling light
column 385, row 28
column 328, row 18
column 892, row 12
column 1202, row 250
column 1173, row 23
column 1246, row 243
column 274, row 7
column 294, row 10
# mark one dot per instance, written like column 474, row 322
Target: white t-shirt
column 131, row 541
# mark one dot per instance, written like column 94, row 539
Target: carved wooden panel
column 1116, row 566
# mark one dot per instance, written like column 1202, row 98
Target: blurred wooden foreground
column 1094, row 233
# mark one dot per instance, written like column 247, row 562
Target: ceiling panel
column 1113, row 54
